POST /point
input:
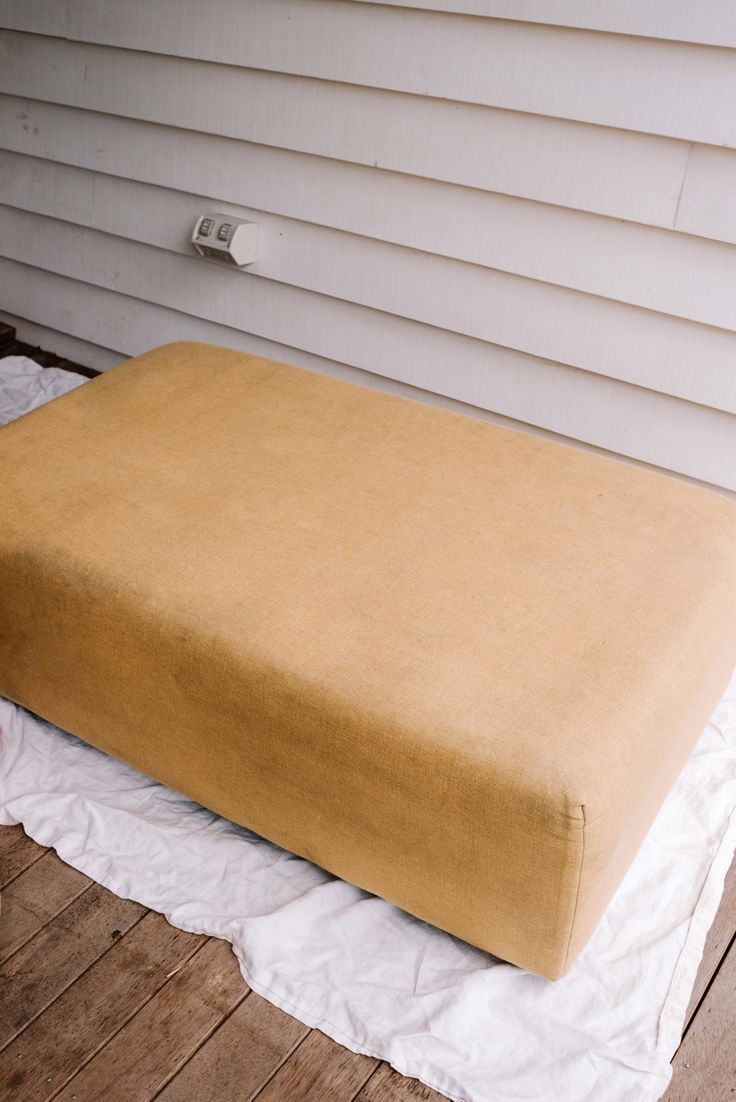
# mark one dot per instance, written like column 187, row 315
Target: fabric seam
column 578, row 892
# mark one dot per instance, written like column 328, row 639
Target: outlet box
column 234, row 241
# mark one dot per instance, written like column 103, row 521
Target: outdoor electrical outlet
column 221, row 237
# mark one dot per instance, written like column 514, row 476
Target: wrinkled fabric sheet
column 369, row 975
column 24, row 385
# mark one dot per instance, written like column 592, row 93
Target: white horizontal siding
column 383, row 343
column 134, row 326
column 533, row 220
column 712, row 22
column 708, row 202
column 95, row 317
column 656, row 429
column 625, row 176
column 669, row 88
column 547, row 321
column 664, row 271
column 592, row 168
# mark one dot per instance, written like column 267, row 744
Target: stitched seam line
column 577, row 894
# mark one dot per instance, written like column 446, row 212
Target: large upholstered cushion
column 455, row 664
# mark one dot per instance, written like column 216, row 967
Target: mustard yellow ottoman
column 454, row 664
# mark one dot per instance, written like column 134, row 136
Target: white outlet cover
column 221, row 237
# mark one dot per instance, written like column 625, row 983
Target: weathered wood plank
column 319, row 1069
column 34, row 898
column 81, row 1021
column 17, row 850
column 719, row 938
column 47, row 964
column 388, row 1086
column 243, row 1054
column 704, row 1068
column 155, row 1044
column 45, row 359
column 14, row 348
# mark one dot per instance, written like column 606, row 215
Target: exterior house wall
column 528, row 208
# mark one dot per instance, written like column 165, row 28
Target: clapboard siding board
column 667, row 272
column 626, row 176
column 654, row 428
column 119, row 326
column 423, row 289
column 134, row 326
column 712, row 22
column 640, row 346
column 487, row 227
column 681, row 90
column 621, row 173
column 708, row 201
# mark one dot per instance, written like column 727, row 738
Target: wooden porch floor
column 100, row 999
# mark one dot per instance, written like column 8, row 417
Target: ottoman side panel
column 386, row 807
column 649, row 735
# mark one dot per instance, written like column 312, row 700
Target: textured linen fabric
column 382, row 635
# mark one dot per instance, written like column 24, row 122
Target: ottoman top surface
column 514, row 600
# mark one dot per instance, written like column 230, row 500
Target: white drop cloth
column 365, row 972
column 25, row 385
